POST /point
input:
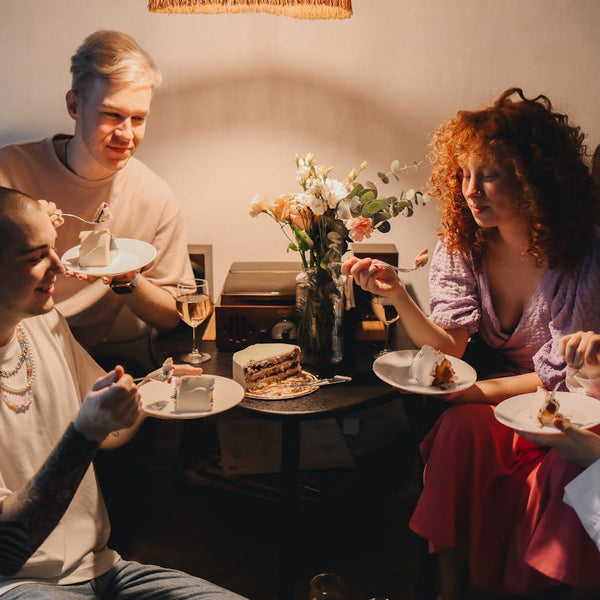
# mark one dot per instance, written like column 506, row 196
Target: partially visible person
column 58, row 407
column 580, row 446
column 113, row 80
column 517, row 267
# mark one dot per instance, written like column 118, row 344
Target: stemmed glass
column 385, row 311
column 328, row 586
column 194, row 307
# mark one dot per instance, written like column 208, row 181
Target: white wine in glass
column 194, row 307
column 386, row 312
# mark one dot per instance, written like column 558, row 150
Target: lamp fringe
column 299, row 9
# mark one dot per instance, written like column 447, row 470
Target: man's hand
column 113, row 404
column 578, row 445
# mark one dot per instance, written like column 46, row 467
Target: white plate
column 287, row 389
column 393, row 369
column 520, row 412
column 132, row 256
column 158, row 401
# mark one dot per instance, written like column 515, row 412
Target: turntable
column 257, row 304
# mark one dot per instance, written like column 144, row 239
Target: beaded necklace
column 25, row 391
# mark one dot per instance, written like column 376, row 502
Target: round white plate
column 132, row 256
column 393, row 369
column 520, row 412
column 287, row 389
column 158, row 401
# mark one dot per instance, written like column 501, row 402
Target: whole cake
column 194, row 393
column 97, row 248
column 260, row 365
column 430, row 367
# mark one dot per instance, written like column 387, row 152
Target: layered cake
column 260, row 365
column 194, row 393
column 549, row 409
column 103, row 213
column 97, row 248
column 430, row 367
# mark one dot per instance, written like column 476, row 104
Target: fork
column 420, row 261
column 160, row 376
column 59, row 214
column 555, row 388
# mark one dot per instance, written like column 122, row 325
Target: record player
column 257, row 304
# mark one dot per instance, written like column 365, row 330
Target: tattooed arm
column 31, row 513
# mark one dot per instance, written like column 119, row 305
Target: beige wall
column 243, row 93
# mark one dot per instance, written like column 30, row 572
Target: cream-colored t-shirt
column 76, row 549
column 143, row 207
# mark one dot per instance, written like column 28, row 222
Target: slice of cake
column 97, row 248
column 260, row 365
column 430, row 367
column 103, row 213
column 194, row 393
column 549, row 409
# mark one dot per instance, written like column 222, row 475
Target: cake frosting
column 430, row 367
column 97, row 248
column 260, row 365
column 194, row 393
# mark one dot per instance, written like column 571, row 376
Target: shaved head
column 13, row 204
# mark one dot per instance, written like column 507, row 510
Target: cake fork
column 62, row 214
column 558, row 384
column 420, row 261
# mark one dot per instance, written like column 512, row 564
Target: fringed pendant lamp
column 299, row 9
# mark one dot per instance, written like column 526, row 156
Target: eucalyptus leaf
column 383, row 177
column 384, row 227
column 368, row 196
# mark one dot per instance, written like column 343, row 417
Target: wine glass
column 328, row 586
column 385, row 311
column 194, row 307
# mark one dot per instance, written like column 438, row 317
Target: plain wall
column 242, row 94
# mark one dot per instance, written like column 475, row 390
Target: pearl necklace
column 26, row 390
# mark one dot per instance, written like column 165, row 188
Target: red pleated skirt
column 499, row 498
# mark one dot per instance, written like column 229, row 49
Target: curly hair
column 547, row 157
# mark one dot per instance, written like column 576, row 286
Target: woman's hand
column 375, row 277
column 582, row 347
column 579, row 446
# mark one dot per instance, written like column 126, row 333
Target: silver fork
column 420, row 261
column 555, row 388
column 160, row 376
column 62, row 214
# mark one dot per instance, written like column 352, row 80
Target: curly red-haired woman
column 517, row 266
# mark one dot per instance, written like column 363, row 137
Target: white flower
column 314, row 203
column 259, row 204
column 302, row 174
column 334, row 191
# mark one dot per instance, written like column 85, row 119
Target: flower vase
column 320, row 311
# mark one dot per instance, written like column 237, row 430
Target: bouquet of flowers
column 320, row 222
column 328, row 214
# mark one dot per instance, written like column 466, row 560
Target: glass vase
column 320, row 311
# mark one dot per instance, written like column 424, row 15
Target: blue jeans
column 127, row 580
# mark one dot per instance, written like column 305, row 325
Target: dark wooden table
column 364, row 390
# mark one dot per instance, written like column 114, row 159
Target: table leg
column 289, row 507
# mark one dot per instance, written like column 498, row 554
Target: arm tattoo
column 35, row 510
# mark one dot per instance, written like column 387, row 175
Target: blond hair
column 112, row 57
